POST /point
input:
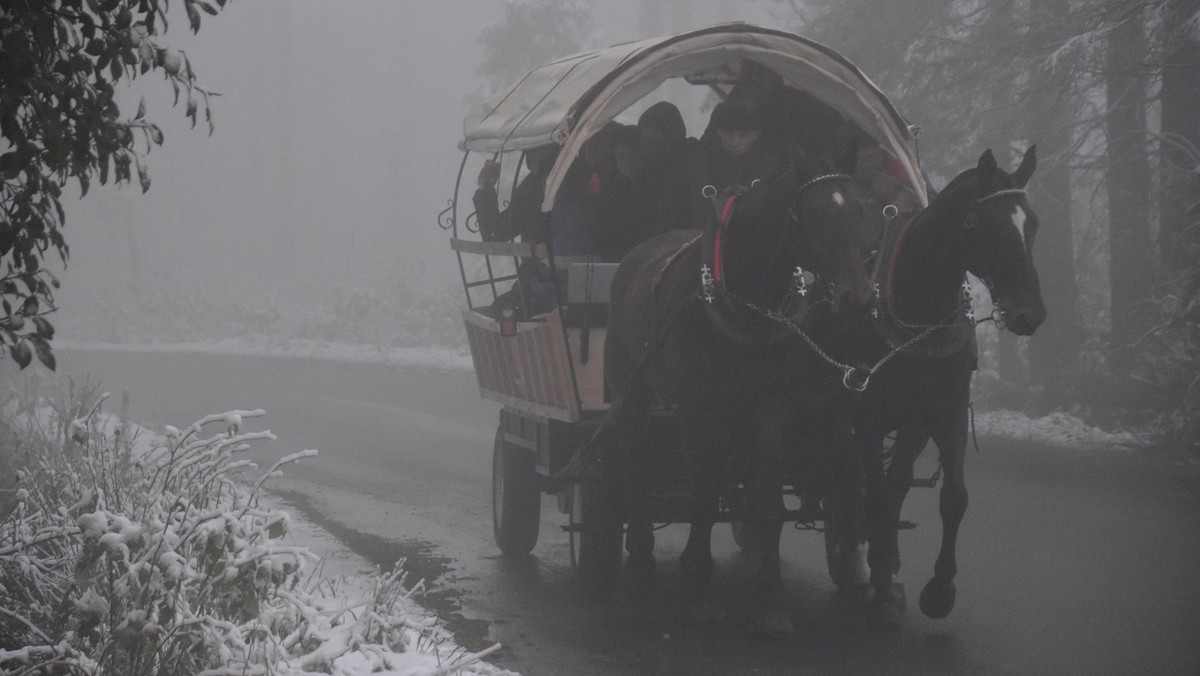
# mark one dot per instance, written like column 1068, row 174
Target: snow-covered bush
column 127, row 552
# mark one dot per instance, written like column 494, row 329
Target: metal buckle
column 850, row 383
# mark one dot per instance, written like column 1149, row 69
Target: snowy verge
column 1057, row 429
column 128, row 550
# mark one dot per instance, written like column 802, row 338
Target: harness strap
column 672, row 259
column 890, row 280
column 726, row 214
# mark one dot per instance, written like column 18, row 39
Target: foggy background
column 334, row 150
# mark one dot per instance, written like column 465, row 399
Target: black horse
column 708, row 323
column 981, row 223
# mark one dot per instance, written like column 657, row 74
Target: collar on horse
column 735, row 317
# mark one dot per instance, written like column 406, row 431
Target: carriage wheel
column 595, row 530
column 516, row 498
column 835, row 561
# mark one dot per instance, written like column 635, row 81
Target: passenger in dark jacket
column 523, row 217
column 661, row 183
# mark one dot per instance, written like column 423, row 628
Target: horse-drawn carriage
column 548, row 369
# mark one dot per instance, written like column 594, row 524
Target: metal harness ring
column 851, row 384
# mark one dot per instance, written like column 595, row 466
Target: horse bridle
column 721, row 304
column 973, row 216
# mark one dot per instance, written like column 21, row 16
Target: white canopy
column 568, row 100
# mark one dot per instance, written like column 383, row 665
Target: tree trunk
column 1131, row 261
column 1054, row 349
column 1180, row 98
column 997, row 132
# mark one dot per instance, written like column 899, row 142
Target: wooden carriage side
column 549, row 365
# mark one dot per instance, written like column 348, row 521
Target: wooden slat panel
column 562, row 366
column 529, row 371
column 532, row 364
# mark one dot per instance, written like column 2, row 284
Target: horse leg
column 633, row 433
column 845, row 520
column 766, row 518
column 937, row 598
column 886, row 504
column 697, row 436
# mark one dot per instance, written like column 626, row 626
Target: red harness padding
column 891, row 274
column 726, row 214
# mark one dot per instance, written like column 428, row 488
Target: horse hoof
column 937, row 598
column 773, row 624
column 704, row 612
column 887, row 606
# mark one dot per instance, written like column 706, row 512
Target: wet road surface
column 1069, row 562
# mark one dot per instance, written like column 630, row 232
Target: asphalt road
column 1069, row 562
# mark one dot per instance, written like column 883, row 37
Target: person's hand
column 489, row 174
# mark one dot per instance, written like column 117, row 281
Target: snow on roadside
column 353, row 576
column 1057, row 429
column 342, row 598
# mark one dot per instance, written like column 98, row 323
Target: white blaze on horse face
column 1018, row 220
column 838, row 199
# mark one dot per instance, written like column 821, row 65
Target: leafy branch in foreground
column 59, row 63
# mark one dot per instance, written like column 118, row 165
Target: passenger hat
column 664, row 117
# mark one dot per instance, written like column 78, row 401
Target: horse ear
column 1028, row 164
column 987, row 169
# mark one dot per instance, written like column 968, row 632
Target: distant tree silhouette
column 529, row 35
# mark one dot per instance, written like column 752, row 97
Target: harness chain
column 846, row 369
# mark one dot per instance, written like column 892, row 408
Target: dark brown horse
column 708, row 323
column 981, row 223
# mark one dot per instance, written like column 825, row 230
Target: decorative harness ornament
column 733, row 315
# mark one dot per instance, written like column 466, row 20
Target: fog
column 334, row 148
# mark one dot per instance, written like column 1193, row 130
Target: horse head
column 829, row 227
column 1000, row 231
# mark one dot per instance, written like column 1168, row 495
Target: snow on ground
column 1056, row 429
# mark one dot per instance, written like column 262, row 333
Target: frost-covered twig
column 27, row 623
